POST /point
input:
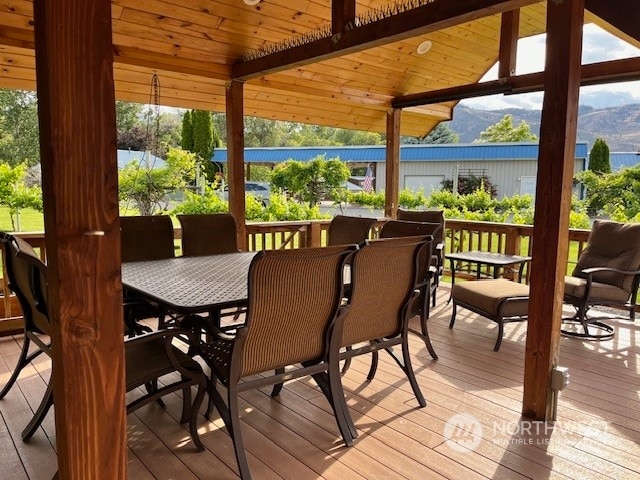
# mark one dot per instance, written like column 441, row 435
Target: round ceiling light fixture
column 252, row 2
column 424, row 47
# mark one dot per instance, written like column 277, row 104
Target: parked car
column 260, row 190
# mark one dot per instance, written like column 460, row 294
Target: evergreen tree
column 187, row 131
column 204, row 141
column 599, row 157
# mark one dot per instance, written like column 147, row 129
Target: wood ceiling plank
column 407, row 24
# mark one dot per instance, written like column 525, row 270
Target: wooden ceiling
column 197, row 46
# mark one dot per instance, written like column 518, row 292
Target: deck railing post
column 314, row 234
column 512, row 247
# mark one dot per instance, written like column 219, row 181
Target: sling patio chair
column 294, row 299
column 145, row 238
column 607, row 273
column 208, row 234
column 348, row 230
column 377, row 313
column 427, row 274
column 439, row 238
column 147, row 357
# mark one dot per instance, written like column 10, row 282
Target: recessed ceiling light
column 424, row 47
column 252, row 2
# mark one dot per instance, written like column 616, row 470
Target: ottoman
column 499, row 300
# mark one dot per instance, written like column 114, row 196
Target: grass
column 30, row 221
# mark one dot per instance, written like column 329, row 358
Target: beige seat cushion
column 488, row 295
column 575, row 286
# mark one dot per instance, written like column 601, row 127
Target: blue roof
column 408, row 153
column 125, row 157
column 621, row 160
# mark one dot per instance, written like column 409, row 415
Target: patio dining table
column 190, row 286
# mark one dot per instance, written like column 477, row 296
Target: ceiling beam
column 433, row 16
column 622, row 14
column 624, row 70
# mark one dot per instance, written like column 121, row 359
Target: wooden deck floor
column 474, row 395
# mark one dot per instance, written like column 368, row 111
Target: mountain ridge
column 619, row 126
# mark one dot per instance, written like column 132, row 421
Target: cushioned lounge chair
column 607, row 273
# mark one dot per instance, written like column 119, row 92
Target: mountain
column 618, row 126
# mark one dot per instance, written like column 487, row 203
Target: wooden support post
column 235, row 158
column 393, row 163
column 553, row 200
column 76, row 107
column 509, row 31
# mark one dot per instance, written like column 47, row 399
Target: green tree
column 311, row 181
column 617, row 192
column 599, row 157
column 442, row 133
column 19, row 140
column 148, row 187
column 186, row 140
column 128, row 115
column 15, row 194
column 505, row 131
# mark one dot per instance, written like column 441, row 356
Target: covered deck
column 294, row 436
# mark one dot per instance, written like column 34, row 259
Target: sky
column 598, row 45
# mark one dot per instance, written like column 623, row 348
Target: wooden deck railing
column 460, row 236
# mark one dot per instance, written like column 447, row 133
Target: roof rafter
column 624, row 70
column 433, row 16
column 622, row 14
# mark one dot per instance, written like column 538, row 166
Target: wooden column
column 509, row 31
column 553, row 201
column 235, row 158
column 76, row 106
column 392, row 179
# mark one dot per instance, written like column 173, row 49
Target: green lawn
column 30, row 221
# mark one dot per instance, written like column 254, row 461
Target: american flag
column 367, row 184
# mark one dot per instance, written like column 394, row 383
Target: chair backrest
column 27, row 276
column 402, row 228
column 431, row 216
column 346, row 230
column 148, row 237
column 208, row 234
column 294, row 296
column 614, row 245
column 383, row 281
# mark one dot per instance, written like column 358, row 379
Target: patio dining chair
column 145, row 238
column 208, row 234
column 147, row 357
column 439, row 237
column 427, row 274
column 607, row 273
column 294, row 298
column 348, row 230
column 377, row 313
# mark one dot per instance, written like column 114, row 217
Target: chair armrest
column 592, row 270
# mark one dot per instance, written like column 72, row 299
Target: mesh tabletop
column 192, row 284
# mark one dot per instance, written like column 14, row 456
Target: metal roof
column 621, row 160
column 408, row 153
column 125, row 157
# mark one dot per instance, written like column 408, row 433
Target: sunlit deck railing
column 460, row 236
